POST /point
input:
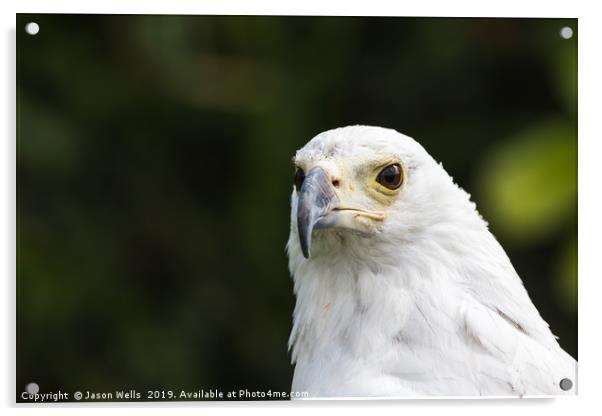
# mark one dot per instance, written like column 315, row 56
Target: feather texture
column 429, row 305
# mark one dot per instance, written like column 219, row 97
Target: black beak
column 316, row 200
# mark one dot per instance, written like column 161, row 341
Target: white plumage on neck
column 429, row 305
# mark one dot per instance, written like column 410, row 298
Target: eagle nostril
column 336, row 183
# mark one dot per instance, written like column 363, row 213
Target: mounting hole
column 566, row 32
column 566, row 384
column 32, row 28
column 32, row 388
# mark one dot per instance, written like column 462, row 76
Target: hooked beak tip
column 305, row 240
column 306, row 253
column 316, row 197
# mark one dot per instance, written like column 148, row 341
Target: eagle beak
column 316, row 200
column 319, row 207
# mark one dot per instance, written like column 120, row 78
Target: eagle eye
column 299, row 178
column 391, row 177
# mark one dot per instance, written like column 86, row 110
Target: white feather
column 430, row 305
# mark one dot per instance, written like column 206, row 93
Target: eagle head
column 399, row 283
column 359, row 187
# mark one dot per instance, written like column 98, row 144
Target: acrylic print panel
column 168, row 249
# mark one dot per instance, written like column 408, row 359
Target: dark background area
column 154, row 175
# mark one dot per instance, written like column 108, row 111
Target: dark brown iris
column 299, row 178
column 391, row 177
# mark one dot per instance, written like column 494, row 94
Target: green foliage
column 154, row 175
column 566, row 277
column 530, row 182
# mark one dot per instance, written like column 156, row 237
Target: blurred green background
column 154, row 176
